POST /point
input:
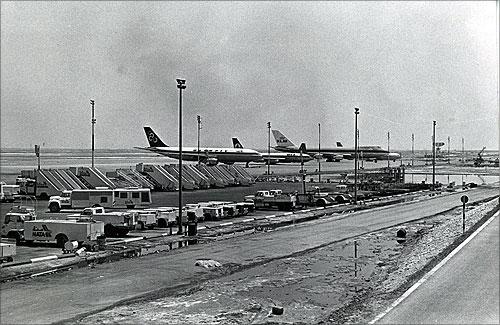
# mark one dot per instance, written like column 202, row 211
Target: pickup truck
column 272, row 199
column 116, row 224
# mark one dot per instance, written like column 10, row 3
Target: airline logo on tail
column 153, row 139
column 302, row 148
column 281, row 139
column 237, row 144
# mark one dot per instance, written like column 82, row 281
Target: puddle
column 307, row 286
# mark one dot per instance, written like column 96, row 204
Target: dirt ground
column 326, row 285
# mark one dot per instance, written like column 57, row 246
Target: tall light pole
column 268, row 150
column 93, row 124
column 302, row 170
column 412, row 148
column 463, row 162
column 181, row 84
column 463, row 152
column 319, row 152
column 433, row 155
column 388, row 148
column 448, row 149
column 198, row 119
column 356, row 112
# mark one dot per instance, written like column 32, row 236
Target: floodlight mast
column 181, row 84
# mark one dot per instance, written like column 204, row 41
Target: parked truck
column 21, row 224
column 7, row 251
column 315, row 198
column 116, row 224
column 167, row 216
column 130, row 198
column 272, row 199
column 8, row 193
column 144, row 219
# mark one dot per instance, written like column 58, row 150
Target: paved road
column 68, row 294
column 465, row 290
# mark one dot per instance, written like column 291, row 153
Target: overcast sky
column 295, row 64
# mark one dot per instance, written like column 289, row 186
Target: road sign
column 464, row 199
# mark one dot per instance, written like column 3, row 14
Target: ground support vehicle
column 197, row 209
column 116, row 224
column 245, row 207
column 213, row 212
column 129, row 198
column 315, row 198
column 13, row 223
column 167, row 216
column 8, row 193
column 23, row 226
column 7, row 251
column 144, row 219
column 273, row 199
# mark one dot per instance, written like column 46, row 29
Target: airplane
column 209, row 156
column 368, row 153
column 279, row 157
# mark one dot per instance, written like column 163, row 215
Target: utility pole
column 319, row 152
column 356, row 112
column 433, row 155
column 463, row 163
column 448, row 150
column 93, row 124
column 181, row 84
column 388, row 148
column 302, row 171
column 268, row 150
column 412, row 148
column 198, row 119
column 463, row 152
column 37, row 153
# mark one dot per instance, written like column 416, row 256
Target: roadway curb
column 39, row 259
column 434, row 269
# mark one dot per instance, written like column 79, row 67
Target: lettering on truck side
column 42, row 232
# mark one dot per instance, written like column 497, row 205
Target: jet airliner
column 369, row 153
column 278, row 157
column 209, row 156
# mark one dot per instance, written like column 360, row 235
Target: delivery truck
column 22, row 225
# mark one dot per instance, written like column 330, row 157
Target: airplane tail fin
column 339, row 144
column 281, row 140
column 153, row 139
column 302, row 148
column 237, row 143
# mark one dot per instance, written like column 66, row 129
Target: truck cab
column 13, row 224
column 58, row 202
column 116, row 224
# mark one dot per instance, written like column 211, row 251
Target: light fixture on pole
column 181, row 84
column 388, row 148
column 356, row 112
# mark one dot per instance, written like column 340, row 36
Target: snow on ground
column 327, row 285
